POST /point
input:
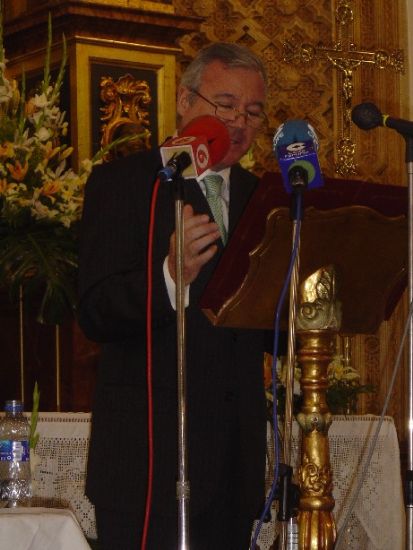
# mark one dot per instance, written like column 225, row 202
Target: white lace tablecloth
column 377, row 523
column 59, row 479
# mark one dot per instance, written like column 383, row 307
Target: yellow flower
column 6, row 150
column 337, row 371
column 49, row 152
column 351, row 375
column 248, row 161
column 66, row 153
column 17, row 171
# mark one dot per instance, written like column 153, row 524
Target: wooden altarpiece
column 359, row 229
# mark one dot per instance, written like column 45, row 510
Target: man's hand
column 199, row 236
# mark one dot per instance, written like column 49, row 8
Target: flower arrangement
column 344, row 386
column 40, row 197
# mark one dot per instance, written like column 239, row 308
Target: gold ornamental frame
column 90, row 51
column 83, row 52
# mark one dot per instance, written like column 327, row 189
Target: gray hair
column 230, row 54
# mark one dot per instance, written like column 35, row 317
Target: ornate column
column 318, row 321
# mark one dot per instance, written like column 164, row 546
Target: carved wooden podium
column 354, row 255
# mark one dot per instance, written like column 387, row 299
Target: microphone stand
column 409, row 473
column 182, row 485
column 178, row 164
column 288, row 491
column 368, row 116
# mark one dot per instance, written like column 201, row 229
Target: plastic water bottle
column 15, row 479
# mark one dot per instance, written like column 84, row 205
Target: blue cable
column 279, row 308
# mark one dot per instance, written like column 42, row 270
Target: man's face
column 241, row 88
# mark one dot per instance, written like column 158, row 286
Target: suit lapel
column 242, row 184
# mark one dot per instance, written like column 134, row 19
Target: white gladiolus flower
column 40, row 211
column 43, row 134
column 36, row 116
column 40, row 101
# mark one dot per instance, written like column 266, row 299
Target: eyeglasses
column 227, row 113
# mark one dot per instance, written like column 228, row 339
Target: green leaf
column 46, row 73
column 43, row 261
column 34, row 437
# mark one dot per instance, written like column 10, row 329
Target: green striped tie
column 213, row 184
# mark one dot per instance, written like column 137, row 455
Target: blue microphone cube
column 304, row 155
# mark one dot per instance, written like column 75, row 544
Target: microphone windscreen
column 295, row 146
column 215, row 132
column 294, row 131
column 366, row 116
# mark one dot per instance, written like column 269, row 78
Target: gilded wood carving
column 125, row 113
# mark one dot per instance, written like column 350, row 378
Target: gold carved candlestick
column 318, row 320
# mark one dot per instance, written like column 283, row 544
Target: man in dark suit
column 226, row 406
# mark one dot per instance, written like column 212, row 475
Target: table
column 377, row 523
column 40, row 529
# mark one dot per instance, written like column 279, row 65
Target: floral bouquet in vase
column 344, row 386
column 40, row 196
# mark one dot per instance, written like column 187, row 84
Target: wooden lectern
column 354, row 252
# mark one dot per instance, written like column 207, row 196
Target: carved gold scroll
column 125, row 114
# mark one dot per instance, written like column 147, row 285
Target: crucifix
column 346, row 58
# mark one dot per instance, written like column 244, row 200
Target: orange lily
column 17, row 171
column 50, row 188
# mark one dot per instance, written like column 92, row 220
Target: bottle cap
column 13, row 406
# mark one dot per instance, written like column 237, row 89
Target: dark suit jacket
column 226, row 407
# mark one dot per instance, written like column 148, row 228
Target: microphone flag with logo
column 205, row 140
column 295, row 146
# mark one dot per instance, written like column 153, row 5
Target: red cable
column 149, row 364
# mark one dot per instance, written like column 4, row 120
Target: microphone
column 367, row 116
column 295, row 146
column 202, row 144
